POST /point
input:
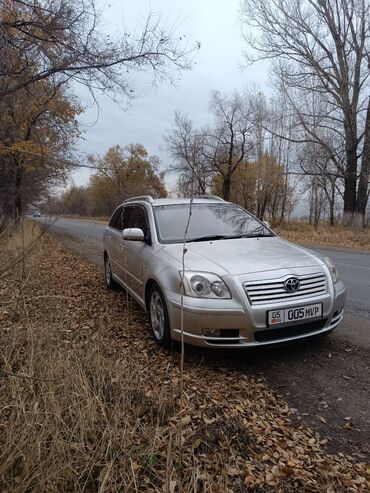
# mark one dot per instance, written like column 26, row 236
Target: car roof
column 196, row 200
column 206, row 199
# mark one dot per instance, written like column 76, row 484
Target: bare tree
column 236, row 156
column 229, row 142
column 186, row 146
column 66, row 38
column 322, row 159
column 218, row 150
column 282, row 147
column 321, row 47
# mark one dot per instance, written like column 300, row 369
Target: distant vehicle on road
column 37, row 214
column 240, row 285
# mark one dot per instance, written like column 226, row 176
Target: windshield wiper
column 207, row 238
column 227, row 237
column 254, row 235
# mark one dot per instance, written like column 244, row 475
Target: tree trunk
column 332, row 205
column 285, row 195
column 311, row 208
column 263, row 209
column 362, row 193
column 317, row 209
column 350, row 176
column 18, row 202
column 226, row 187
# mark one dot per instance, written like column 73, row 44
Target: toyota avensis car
column 242, row 285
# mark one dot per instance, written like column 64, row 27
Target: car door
column 137, row 251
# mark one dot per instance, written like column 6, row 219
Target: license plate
column 291, row 315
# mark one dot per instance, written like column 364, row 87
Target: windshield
column 208, row 221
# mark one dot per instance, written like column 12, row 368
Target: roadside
column 325, row 236
column 102, row 405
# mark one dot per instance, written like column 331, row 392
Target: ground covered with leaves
column 325, row 235
column 89, row 402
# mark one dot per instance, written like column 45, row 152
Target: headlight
column 333, row 270
column 204, row 285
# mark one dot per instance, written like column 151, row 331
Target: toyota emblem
column 292, row 284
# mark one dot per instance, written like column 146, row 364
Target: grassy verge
column 324, row 235
column 90, row 403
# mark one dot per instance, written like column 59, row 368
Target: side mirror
column 133, row 234
column 266, row 223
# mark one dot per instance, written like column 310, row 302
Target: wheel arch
column 149, row 283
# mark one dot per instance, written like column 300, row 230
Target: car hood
column 243, row 256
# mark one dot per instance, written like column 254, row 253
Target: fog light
column 212, row 332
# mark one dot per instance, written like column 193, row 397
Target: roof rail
column 145, row 198
column 210, row 197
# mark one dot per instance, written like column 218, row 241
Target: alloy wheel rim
column 157, row 315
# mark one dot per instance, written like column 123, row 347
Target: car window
column 126, row 218
column 139, row 219
column 116, row 221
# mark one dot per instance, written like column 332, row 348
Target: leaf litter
column 233, row 434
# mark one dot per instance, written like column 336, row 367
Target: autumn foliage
column 260, row 186
column 37, row 129
column 121, row 173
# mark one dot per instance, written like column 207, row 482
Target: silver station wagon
column 242, row 285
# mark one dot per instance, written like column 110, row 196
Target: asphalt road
column 354, row 268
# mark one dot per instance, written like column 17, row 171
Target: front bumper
column 243, row 325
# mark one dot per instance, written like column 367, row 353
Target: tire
column 158, row 317
column 109, row 281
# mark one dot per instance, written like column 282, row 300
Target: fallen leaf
column 185, row 421
column 196, row 443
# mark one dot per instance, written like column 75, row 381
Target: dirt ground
column 326, row 380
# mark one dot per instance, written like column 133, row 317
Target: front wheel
column 158, row 317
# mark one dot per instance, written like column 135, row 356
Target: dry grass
column 89, row 403
column 16, row 243
column 324, row 235
column 18, row 238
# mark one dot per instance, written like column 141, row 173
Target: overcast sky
column 215, row 24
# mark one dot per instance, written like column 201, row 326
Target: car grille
column 289, row 332
column 274, row 291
